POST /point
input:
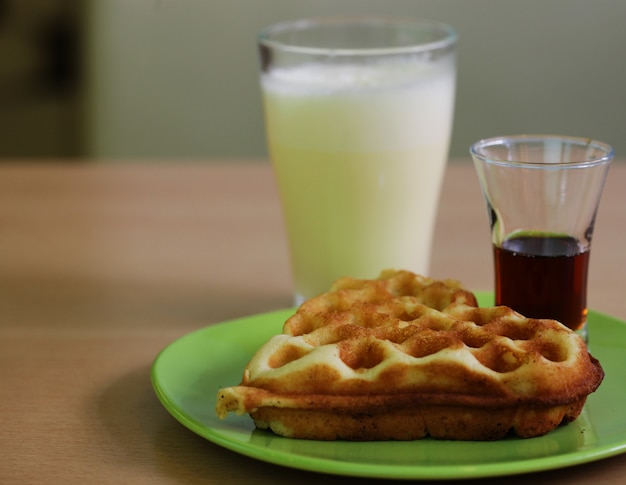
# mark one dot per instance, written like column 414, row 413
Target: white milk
column 359, row 154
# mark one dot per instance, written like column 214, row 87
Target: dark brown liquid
column 543, row 277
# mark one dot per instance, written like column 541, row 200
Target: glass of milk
column 358, row 116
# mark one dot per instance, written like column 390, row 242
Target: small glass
column 542, row 194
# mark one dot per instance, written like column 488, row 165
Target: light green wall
column 179, row 78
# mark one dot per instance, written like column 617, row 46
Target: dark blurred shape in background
column 40, row 78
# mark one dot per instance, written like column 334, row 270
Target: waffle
column 403, row 357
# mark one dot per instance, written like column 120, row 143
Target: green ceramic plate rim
column 235, row 436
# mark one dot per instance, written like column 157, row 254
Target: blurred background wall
column 124, row 79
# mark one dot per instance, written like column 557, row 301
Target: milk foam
column 328, row 79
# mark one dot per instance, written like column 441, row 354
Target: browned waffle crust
column 402, row 357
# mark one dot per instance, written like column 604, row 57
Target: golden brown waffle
column 402, row 357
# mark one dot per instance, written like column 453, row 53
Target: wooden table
column 103, row 265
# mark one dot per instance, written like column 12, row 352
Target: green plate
column 187, row 374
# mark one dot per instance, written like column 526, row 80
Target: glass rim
column 267, row 37
column 606, row 151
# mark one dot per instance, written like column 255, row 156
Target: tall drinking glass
column 542, row 195
column 358, row 116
